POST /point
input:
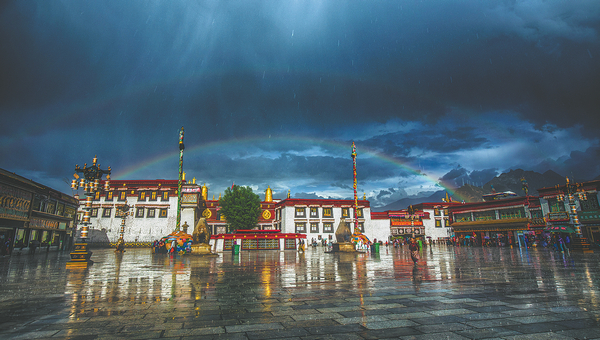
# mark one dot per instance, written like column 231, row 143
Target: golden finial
column 288, row 194
column 205, row 192
column 269, row 194
column 364, row 196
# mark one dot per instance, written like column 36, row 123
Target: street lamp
column 572, row 189
column 90, row 183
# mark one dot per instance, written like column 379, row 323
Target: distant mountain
column 416, row 199
column 511, row 181
column 469, row 193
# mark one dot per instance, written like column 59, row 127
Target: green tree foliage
column 241, row 207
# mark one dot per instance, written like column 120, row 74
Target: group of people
column 174, row 246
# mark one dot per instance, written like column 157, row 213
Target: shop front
column 491, row 232
column 257, row 240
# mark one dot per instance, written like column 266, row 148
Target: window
column 260, row 244
column 300, row 227
column 94, row 212
column 153, row 196
column 290, row 243
column 139, row 212
column 436, row 212
column 150, row 213
column 327, row 212
column 142, row 196
column 109, row 196
column 122, row 195
column 314, row 227
column 345, row 212
column 163, row 213
column 328, row 227
column 555, row 205
column 438, row 223
column 484, row 215
column 589, row 204
column 300, row 212
column 462, row 217
column 165, row 196
column 512, row 213
column 314, row 212
column 359, row 212
column 446, row 224
column 446, row 212
column 106, row 212
column 97, row 196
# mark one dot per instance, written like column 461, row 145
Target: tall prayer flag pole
column 356, row 229
column 181, row 147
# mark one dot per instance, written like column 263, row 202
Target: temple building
column 152, row 211
column 505, row 220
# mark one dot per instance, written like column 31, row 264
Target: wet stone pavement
column 454, row 293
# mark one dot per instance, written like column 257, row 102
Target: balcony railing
column 557, row 216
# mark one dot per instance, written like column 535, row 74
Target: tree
column 241, row 207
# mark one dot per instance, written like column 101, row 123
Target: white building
column 152, row 213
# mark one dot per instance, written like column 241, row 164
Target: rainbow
column 173, row 156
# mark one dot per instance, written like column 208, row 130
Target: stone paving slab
column 308, row 296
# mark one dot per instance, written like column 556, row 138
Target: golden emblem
column 266, row 214
column 206, row 213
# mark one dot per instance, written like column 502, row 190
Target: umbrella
column 560, row 229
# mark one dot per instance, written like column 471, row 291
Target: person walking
column 414, row 251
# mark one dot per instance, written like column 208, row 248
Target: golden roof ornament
column 269, row 194
column 205, row 192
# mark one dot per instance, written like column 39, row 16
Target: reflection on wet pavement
column 458, row 293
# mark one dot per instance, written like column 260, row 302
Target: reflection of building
column 502, row 219
column 30, row 211
column 573, row 206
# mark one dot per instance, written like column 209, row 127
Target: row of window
column 139, row 212
column 502, row 214
column 327, row 227
column 438, row 223
column 142, row 195
column 50, row 206
column 327, row 212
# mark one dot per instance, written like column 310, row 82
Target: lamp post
column 572, row 189
column 90, row 183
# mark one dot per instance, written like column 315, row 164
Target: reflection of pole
column 356, row 229
column 181, row 147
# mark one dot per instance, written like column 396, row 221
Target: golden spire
column 288, row 194
column 364, row 196
column 205, row 192
column 269, row 194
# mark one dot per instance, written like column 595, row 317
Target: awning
column 561, row 229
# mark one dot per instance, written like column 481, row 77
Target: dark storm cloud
column 119, row 79
column 581, row 166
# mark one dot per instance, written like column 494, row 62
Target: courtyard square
column 453, row 293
